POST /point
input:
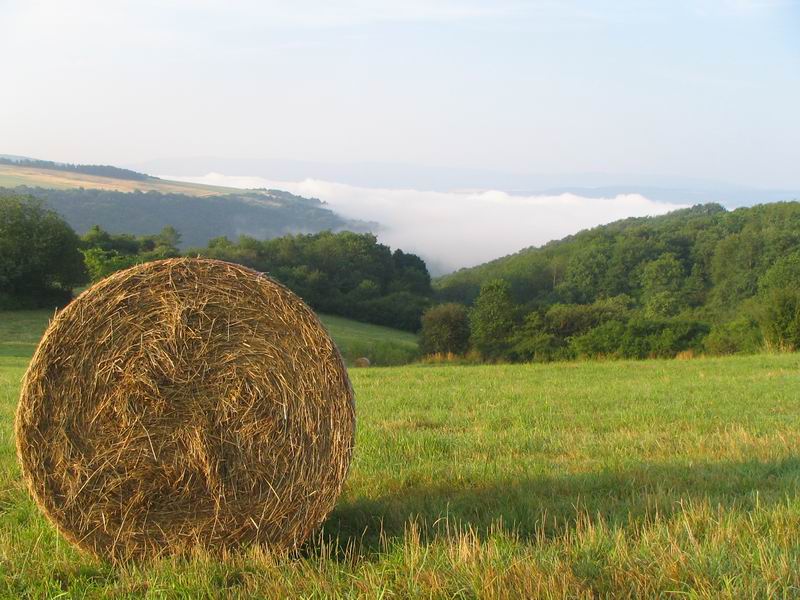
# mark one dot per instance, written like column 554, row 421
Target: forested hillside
column 345, row 273
column 42, row 260
column 260, row 214
column 701, row 278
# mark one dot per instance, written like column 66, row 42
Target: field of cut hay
column 13, row 176
column 631, row 479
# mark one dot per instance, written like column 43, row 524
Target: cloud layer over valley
column 458, row 229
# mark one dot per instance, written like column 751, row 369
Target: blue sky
column 704, row 89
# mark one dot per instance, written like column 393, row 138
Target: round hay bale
column 185, row 403
column 362, row 361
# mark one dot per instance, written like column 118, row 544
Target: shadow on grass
column 550, row 505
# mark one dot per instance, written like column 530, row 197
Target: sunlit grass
column 20, row 332
column 624, row 479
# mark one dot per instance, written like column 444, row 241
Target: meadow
column 20, row 332
column 14, row 175
column 566, row 480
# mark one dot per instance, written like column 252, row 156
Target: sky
column 468, row 129
column 689, row 88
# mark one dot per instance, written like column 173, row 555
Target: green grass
column 594, row 479
column 381, row 345
column 20, row 332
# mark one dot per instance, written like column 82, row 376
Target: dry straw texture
column 185, row 403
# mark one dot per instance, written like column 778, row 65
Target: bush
column 661, row 338
column 781, row 319
column 740, row 336
column 603, row 341
column 641, row 338
column 532, row 341
column 445, row 330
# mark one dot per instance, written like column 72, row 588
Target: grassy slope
column 20, row 332
column 382, row 345
column 13, row 176
column 564, row 480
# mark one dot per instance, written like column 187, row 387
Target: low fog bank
column 451, row 230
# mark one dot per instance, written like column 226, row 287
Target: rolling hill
column 14, row 174
column 539, row 270
column 139, row 204
column 704, row 257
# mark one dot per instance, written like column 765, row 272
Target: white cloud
column 458, row 229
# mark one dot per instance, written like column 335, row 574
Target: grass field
column 382, row 345
column 13, row 176
column 623, row 479
column 20, row 332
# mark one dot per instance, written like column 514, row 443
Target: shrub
column 740, row 336
column 532, row 341
column 661, row 338
column 781, row 319
column 445, row 330
column 603, row 341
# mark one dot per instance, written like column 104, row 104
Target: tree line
column 42, row 260
column 700, row 280
column 98, row 170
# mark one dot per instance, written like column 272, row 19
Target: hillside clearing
column 12, row 176
column 587, row 479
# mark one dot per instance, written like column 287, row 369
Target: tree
column 785, row 273
column 585, row 272
column 781, row 318
column 492, row 320
column 445, row 329
column 662, row 283
column 780, row 298
column 735, row 266
column 162, row 245
column 532, row 340
column 39, row 258
column 344, row 273
column 102, row 263
column 168, row 237
column 410, row 274
column 105, row 253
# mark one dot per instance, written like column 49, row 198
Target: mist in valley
column 451, row 230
